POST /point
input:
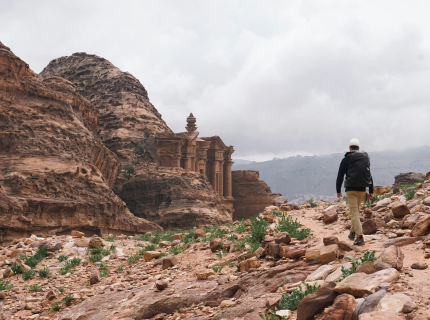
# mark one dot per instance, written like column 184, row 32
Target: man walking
column 356, row 167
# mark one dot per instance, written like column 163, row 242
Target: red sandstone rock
column 330, row 216
column 342, row 308
column 400, row 210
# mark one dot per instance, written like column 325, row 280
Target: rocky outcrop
column 408, row 178
column 251, row 194
column 55, row 174
column 173, row 198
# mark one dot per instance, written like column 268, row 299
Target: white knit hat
column 354, row 142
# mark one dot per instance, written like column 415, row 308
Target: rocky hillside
column 304, row 177
column 244, row 271
column 128, row 121
column 55, row 173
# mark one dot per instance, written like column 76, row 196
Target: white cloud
column 272, row 78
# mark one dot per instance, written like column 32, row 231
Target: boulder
column 342, row 308
column 421, row 227
column 169, row 262
column 419, row 266
column 248, row 264
column 315, row 303
column 369, row 304
column 409, row 221
column 161, row 284
column 96, row 242
column 330, row 240
column 379, row 265
column 344, row 246
column 393, row 256
column 408, row 307
column 400, row 209
column 283, row 238
column 273, row 250
column 369, row 227
column 381, row 190
column 367, row 267
column 8, row 273
column 313, row 253
column 330, row 216
column 57, row 247
column 426, row 201
column 94, row 277
column 149, row 255
column 204, row 274
column 77, row 234
column 403, row 241
column 294, row 252
column 329, row 253
column 81, row 242
column 408, row 178
column 215, row 244
column 178, row 236
column 337, row 274
column 199, row 233
column 380, row 315
column 321, row 273
column 164, row 244
column 393, row 302
column 359, row 284
column 368, row 213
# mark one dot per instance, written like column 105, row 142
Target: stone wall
column 251, row 194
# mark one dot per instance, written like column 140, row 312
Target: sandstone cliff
column 55, row 174
column 251, row 194
column 128, row 122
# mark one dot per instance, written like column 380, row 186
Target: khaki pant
column 354, row 200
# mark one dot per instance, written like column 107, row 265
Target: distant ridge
column 299, row 178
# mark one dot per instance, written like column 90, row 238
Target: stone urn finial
column 191, row 123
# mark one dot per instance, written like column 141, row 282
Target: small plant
column 133, row 259
column 220, row 254
column 29, row 274
column 241, row 227
column 111, row 238
column 61, row 290
column 104, row 271
column 312, row 203
column 253, row 246
column 36, row 258
column 240, row 243
column 147, row 133
column 258, row 227
column 44, row 273
column 105, row 252
column 112, row 248
column 62, row 258
column 277, row 213
column 22, row 257
column 35, row 288
column 120, row 269
column 55, row 307
column 231, row 237
column 139, row 149
column 124, row 244
column 95, row 257
column 67, row 299
column 271, row 316
column 128, row 171
column 293, row 227
column 218, row 268
column 177, row 249
column 5, row 285
column 409, row 194
column 17, row 269
column 75, row 262
column 368, row 256
column 70, row 264
column 290, row 301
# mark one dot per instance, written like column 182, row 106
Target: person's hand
column 370, row 196
column 339, row 195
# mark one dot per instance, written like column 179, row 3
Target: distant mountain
column 241, row 161
column 300, row 178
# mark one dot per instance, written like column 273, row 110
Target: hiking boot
column 359, row 241
column 351, row 236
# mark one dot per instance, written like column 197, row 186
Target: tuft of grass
column 44, row 273
column 61, row 290
column 112, row 248
column 67, row 299
column 368, row 256
column 375, row 199
column 312, row 203
column 150, row 247
column 177, row 249
column 29, row 274
column 220, row 254
column 290, row 301
column 293, row 227
column 104, row 271
column 95, row 257
column 272, row 316
column 36, row 258
column 17, row 269
column 120, row 269
column 241, row 227
column 254, row 246
column 133, row 259
column 111, row 238
column 35, row 288
column 5, row 285
column 62, row 258
column 55, row 307
column 258, row 227
column 218, row 268
column 409, row 194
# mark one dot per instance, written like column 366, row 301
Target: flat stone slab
column 393, row 302
column 359, row 284
column 321, row 273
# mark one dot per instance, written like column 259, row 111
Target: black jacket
column 343, row 169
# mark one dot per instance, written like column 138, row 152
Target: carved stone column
column 214, row 182
column 221, row 179
column 228, row 193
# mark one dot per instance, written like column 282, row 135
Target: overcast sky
column 271, row 78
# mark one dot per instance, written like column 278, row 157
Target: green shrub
column 293, row 227
column 218, row 268
column 188, row 237
column 104, row 271
column 36, row 258
column 29, row 274
column 69, row 265
column 147, row 133
column 35, row 288
column 139, row 149
column 177, row 249
column 112, row 248
column 406, row 185
column 105, row 252
column 240, row 243
column 5, row 285
column 375, row 199
column 44, row 273
column 277, row 213
column 254, row 246
column 133, row 259
column 67, row 299
column 17, row 269
column 75, row 262
column 62, row 258
column 290, row 301
column 409, row 194
column 95, row 257
column 241, row 227
column 111, row 238
column 312, row 203
column 61, row 290
column 220, row 253
column 150, row 247
column 128, row 171
column 272, row 316
column 368, row 256
column 120, row 269
column 55, row 307
column 258, row 229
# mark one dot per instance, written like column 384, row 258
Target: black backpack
column 357, row 170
